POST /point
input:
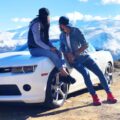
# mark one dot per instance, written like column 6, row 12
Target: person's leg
column 47, row 53
column 37, row 52
column 80, row 68
column 91, row 65
column 59, row 54
column 88, row 82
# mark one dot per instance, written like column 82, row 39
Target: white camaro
column 28, row 79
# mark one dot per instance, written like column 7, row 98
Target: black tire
column 108, row 74
column 56, row 91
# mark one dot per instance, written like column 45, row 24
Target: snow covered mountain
column 102, row 34
column 9, row 40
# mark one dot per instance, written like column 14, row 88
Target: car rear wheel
column 56, row 92
column 108, row 73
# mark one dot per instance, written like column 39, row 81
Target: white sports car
column 28, row 79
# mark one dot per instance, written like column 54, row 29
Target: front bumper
column 34, row 92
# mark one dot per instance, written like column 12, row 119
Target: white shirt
column 68, row 41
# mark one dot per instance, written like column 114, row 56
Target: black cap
column 43, row 12
column 63, row 20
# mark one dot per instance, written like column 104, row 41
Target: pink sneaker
column 96, row 100
column 111, row 98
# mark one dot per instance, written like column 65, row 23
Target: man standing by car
column 74, row 47
column 39, row 44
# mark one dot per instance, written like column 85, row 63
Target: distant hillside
column 101, row 34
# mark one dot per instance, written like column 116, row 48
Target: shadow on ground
column 22, row 112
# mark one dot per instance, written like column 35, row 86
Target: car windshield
column 91, row 48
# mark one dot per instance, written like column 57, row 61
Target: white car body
column 39, row 77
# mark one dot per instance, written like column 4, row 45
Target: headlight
column 23, row 69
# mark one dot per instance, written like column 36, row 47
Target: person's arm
column 36, row 35
column 82, row 48
column 82, row 41
column 52, row 48
column 62, row 45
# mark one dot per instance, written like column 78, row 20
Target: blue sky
column 18, row 13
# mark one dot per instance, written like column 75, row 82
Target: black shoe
column 71, row 79
column 67, row 79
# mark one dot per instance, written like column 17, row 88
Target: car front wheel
column 56, row 92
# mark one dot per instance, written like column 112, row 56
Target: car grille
column 5, row 70
column 9, row 90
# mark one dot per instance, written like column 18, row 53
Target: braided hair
column 44, row 24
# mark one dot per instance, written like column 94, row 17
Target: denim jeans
column 54, row 57
column 90, row 64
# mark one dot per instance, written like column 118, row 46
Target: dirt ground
column 77, row 107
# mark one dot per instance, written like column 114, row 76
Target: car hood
column 23, row 58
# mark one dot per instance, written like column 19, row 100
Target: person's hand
column 70, row 57
column 77, row 52
column 53, row 49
